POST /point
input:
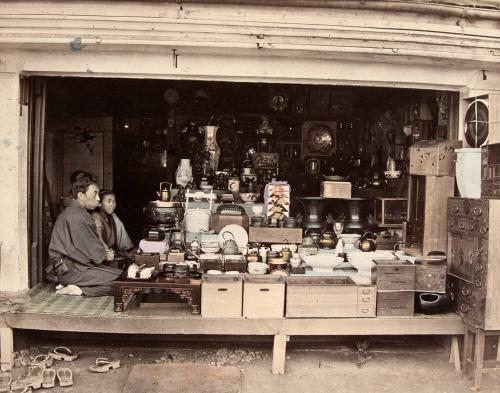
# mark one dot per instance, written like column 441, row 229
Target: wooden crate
column 335, row 189
column 263, row 296
column 393, row 275
column 430, row 275
column 221, row 296
column 328, row 297
column 395, row 303
column 275, row 235
column 433, row 158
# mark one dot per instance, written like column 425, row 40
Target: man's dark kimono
column 75, row 237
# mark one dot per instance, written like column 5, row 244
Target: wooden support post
column 279, row 353
column 478, row 358
column 455, row 353
column 468, row 337
column 6, row 348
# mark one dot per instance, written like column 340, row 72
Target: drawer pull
column 465, row 292
column 365, row 291
column 365, row 310
column 222, row 289
column 461, row 226
column 264, row 289
column 477, row 211
column 365, row 299
column 464, row 308
column 455, row 209
column 483, row 230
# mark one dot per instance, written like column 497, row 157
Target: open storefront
column 129, row 96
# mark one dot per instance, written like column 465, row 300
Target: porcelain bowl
column 323, row 261
column 363, row 261
column 257, row 268
column 349, row 240
column 249, row 196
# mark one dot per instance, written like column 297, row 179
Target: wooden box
column 430, row 275
column 335, row 189
column 393, row 275
column 148, row 259
column 210, row 264
column 275, row 235
column 235, row 263
column 433, row 158
column 322, row 297
column 219, row 221
column 263, row 296
column 221, row 296
column 395, row 303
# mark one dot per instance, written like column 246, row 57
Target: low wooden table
column 187, row 289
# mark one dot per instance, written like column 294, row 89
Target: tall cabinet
column 474, row 260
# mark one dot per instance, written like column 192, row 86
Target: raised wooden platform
column 182, row 322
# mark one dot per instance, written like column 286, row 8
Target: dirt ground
column 310, row 367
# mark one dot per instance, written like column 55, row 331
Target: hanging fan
column 476, row 123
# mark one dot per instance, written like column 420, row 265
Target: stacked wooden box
column 221, row 296
column 328, row 297
column 263, row 296
column 395, row 287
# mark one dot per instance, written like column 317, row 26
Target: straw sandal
column 65, row 376
column 63, row 353
column 49, row 378
column 43, row 361
column 103, row 365
column 5, row 381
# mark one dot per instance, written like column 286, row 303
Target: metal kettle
column 230, row 247
column 165, row 191
column 367, row 242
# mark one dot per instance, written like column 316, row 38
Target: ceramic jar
column 184, row 173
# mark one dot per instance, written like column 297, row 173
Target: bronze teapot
column 327, row 240
column 367, row 242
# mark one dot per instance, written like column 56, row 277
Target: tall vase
column 314, row 212
column 184, row 173
column 212, row 148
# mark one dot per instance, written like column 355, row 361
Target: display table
column 186, row 289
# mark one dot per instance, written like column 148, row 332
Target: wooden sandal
column 49, row 378
column 103, row 365
column 17, row 387
column 42, row 361
column 34, row 378
column 65, row 376
column 63, row 353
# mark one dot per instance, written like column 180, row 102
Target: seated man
column 76, row 251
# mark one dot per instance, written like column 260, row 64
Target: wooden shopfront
column 115, row 87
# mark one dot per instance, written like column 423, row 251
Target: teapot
column 165, row 191
column 367, row 242
column 326, row 240
column 230, row 247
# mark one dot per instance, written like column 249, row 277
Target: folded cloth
column 160, row 247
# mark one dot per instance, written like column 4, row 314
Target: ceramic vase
column 184, row 173
column 211, row 146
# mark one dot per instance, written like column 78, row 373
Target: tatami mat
column 45, row 301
